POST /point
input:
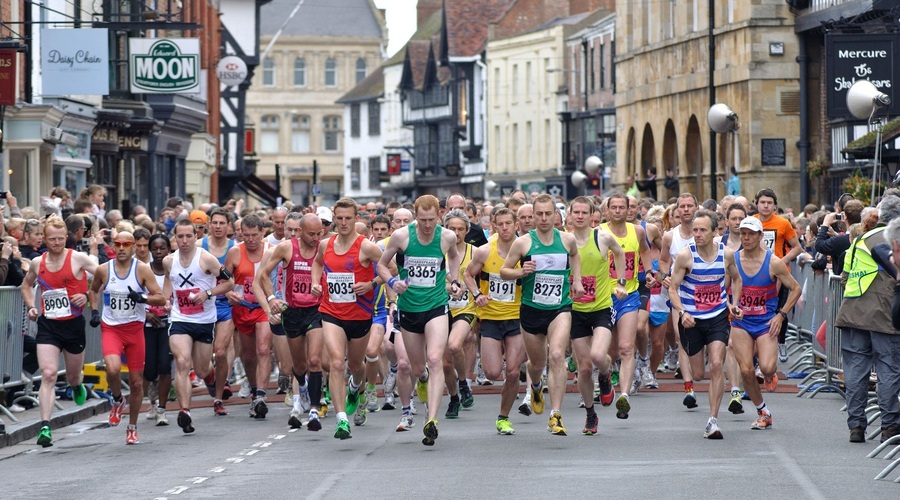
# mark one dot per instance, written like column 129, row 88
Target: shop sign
column 165, row 65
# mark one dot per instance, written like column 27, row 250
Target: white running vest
column 187, row 281
column 118, row 309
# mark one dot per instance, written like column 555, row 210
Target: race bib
column 185, row 305
column 590, row 289
column 769, row 239
column 463, row 301
column 423, row 271
column 547, row 289
column 629, row 266
column 300, row 284
column 340, row 288
column 249, row 296
column 707, row 297
column 120, row 306
column 501, row 290
column 753, row 300
column 56, row 303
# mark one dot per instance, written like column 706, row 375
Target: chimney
column 425, row 8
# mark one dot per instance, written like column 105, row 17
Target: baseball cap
column 325, row 214
column 752, row 223
column 199, row 217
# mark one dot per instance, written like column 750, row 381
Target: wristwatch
column 680, row 313
column 783, row 314
column 621, row 281
column 209, row 294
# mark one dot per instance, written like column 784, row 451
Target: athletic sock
column 315, row 387
column 370, row 387
column 688, row 386
column 353, row 387
column 762, row 408
column 301, row 379
column 590, row 410
column 454, row 398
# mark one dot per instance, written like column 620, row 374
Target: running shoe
column 480, row 378
column 284, row 383
column 323, row 409
column 131, row 436
column 614, row 377
column 372, row 401
column 152, row 392
column 648, row 379
column 431, row 432
column 352, row 401
column 504, row 428
column 389, row 402
column 245, row 391
column 79, row 394
column 289, row 396
column 151, row 413
column 294, row 421
column 343, row 430
column 525, row 407
column 689, row 399
column 607, row 392
column 465, row 396
column 771, row 383
column 452, row 410
column 184, row 421
column 313, row 424
column 555, row 425
column 390, row 383
column 712, row 430
column 570, row 364
column 537, row 400
column 219, row 408
column 305, row 403
column 635, row 385
column 45, row 437
column 161, row 418
column 412, row 405
column 760, row 378
column 590, row 425
column 226, row 392
column 763, row 421
column 623, row 406
column 671, row 359
column 782, row 353
column 422, row 388
column 735, row 406
column 195, row 380
column 115, row 413
column 259, row 408
column 406, row 422
column 359, row 416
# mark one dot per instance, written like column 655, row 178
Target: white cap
column 752, row 223
column 325, row 214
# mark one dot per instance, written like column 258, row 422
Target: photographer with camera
column 833, row 238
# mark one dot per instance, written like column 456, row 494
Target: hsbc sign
column 231, row 71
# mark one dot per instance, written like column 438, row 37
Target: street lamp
column 592, row 165
column 864, row 101
column 722, row 120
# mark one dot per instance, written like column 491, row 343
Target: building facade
column 363, row 151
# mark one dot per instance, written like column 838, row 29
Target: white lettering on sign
column 854, row 54
column 841, row 83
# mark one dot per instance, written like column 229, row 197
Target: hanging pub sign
column 74, row 62
column 864, row 56
column 7, row 77
column 165, row 65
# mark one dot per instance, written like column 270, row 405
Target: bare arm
column 27, row 287
column 262, row 285
column 575, row 265
column 612, row 245
column 736, row 284
column 682, row 261
column 210, row 265
column 479, row 256
column 665, row 257
column 454, row 259
column 318, row 268
column 98, row 283
column 794, row 243
column 397, row 242
column 646, row 258
column 509, row 271
column 155, row 295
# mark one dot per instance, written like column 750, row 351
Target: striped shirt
column 703, row 290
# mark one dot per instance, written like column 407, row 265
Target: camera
column 838, row 216
column 3, row 195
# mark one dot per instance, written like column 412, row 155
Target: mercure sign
column 165, row 65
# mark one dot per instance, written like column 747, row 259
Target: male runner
column 462, row 317
column 61, row 274
column 643, row 376
column 734, row 215
column 123, row 281
column 346, row 260
column 279, row 339
column 298, row 311
column 250, row 319
column 697, row 293
column 591, row 314
column 218, row 244
column 498, row 303
column 633, row 241
column 192, row 275
column 423, row 303
column 547, row 258
column 762, row 318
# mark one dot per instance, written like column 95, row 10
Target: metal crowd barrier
column 15, row 324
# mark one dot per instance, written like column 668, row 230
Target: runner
column 547, row 258
column 633, row 241
column 592, row 314
column 762, row 319
column 298, row 310
column 279, row 339
column 158, row 362
column 347, row 262
column 423, row 301
column 498, row 302
column 61, row 274
column 192, row 274
column 697, row 293
column 128, row 286
column 734, row 215
column 218, row 244
column 250, row 320
column 462, row 317
column 643, row 375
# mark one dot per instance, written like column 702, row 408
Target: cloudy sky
column 401, row 22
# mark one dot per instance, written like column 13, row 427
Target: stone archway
column 669, row 157
column 630, row 153
column 692, row 177
column 648, row 152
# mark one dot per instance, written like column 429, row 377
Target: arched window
column 360, row 69
column 268, row 72
column 268, row 140
column 299, row 72
column 330, row 72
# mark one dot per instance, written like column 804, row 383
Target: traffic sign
column 317, row 190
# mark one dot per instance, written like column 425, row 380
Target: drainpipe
column 803, row 143
column 714, row 191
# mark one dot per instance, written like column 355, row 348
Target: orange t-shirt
column 777, row 231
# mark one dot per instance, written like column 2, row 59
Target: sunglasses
column 123, row 244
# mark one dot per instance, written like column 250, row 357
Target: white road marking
column 217, row 469
column 177, row 490
column 812, row 491
column 198, row 479
column 234, row 460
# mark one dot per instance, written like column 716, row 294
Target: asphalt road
column 659, row 452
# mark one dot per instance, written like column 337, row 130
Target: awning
column 262, row 189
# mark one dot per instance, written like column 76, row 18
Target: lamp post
column 592, row 165
column 722, row 120
column 864, row 101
